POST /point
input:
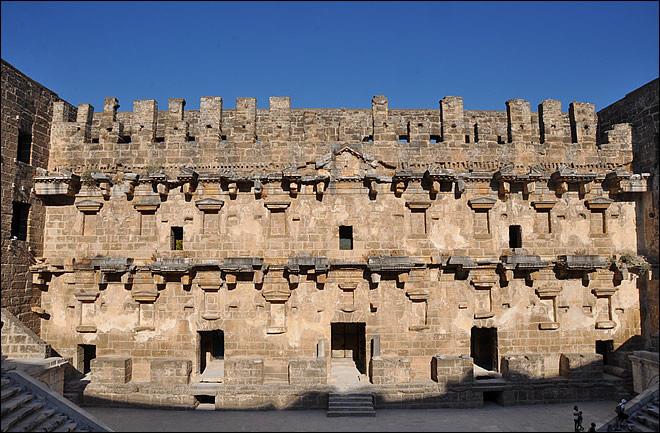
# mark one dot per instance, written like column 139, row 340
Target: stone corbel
column 400, row 181
column 230, row 278
column 505, row 188
column 259, row 191
column 163, row 189
column 585, row 187
column 375, row 278
column 39, row 278
column 320, row 188
column 130, row 180
column 529, row 187
column 232, row 189
column 159, row 279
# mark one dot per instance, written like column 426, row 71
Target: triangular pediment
column 347, row 160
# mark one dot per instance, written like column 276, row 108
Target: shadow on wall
column 583, row 377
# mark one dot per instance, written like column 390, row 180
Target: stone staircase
column 30, row 406
column 642, row 414
column 351, row 404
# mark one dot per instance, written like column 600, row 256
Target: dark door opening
column 483, row 348
column 86, row 352
column 605, row 347
column 348, row 341
column 211, row 347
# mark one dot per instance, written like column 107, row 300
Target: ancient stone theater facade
column 416, row 244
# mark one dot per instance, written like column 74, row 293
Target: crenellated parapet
column 245, row 137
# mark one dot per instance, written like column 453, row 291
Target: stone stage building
column 445, row 256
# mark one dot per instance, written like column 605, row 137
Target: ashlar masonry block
column 581, row 365
column 452, row 368
column 523, row 367
column 171, row 371
column 109, row 370
column 308, row 371
column 244, row 371
column 389, row 370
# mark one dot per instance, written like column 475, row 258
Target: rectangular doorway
column 348, row 341
column 86, row 352
column 211, row 347
column 483, row 348
column 605, row 348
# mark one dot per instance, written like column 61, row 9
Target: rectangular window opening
column 223, row 138
column 19, row 221
column 191, row 138
column 160, row 139
column 467, row 138
column 499, row 140
column 24, row 146
column 404, row 139
column 515, row 237
column 435, row 139
column 345, row 237
column 177, row 238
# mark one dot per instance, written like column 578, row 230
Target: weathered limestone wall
column 247, row 140
column 259, row 218
column 26, row 108
column 641, row 109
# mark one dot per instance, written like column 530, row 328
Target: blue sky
column 335, row 54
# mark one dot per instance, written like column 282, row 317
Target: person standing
column 622, row 416
column 592, row 428
column 580, row 420
column 576, row 415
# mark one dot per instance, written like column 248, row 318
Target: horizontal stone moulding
column 605, row 324
column 549, row 325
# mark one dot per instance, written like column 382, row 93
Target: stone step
column 50, row 424
column 19, row 415
column 68, row 426
column 33, row 420
column 5, row 382
column 350, row 404
column 636, row 426
column 647, row 420
column 652, row 410
column 9, row 391
column 14, row 403
column 352, row 413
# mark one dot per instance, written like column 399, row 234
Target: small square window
column 345, row 237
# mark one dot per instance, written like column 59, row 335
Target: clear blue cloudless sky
column 335, row 54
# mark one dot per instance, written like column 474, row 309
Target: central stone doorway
column 211, row 355
column 348, row 342
column 483, row 350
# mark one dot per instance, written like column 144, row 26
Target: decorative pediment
column 482, row 203
column 209, row 204
column 347, row 160
column 599, row 203
column 89, row 206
